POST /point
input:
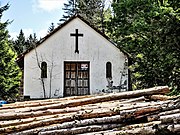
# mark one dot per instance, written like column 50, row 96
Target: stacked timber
column 139, row 112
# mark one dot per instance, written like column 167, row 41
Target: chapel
column 75, row 59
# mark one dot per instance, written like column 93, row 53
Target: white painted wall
column 60, row 47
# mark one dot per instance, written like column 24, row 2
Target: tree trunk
column 172, row 118
column 104, row 98
column 79, row 130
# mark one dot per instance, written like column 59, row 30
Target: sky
column 33, row 16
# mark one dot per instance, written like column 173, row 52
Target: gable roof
column 21, row 56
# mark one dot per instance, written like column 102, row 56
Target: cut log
column 85, row 114
column 175, row 128
column 128, row 128
column 34, row 124
column 125, row 115
column 139, row 99
column 138, row 131
column 106, row 132
column 24, row 121
column 19, row 114
column 115, row 105
column 41, row 102
column 159, row 97
column 104, row 98
column 76, row 123
column 169, row 112
column 172, row 118
column 79, row 130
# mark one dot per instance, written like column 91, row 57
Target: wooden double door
column 76, row 78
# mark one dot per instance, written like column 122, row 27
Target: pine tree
column 51, row 28
column 9, row 71
column 92, row 10
column 69, row 10
column 31, row 41
column 20, row 43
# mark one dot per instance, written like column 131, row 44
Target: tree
column 149, row 31
column 31, row 41
column 51, row 28
column 9, row 72
column 20, row 42
column 92, row 10
column 70, row 9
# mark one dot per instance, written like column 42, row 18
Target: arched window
column 108, row 70
column 43, row 70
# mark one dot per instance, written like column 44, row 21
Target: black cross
column 76, row 35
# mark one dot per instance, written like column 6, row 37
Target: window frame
column 43, row 69
column 108, row 70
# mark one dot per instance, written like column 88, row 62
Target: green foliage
column 92, row 10
column 70, row 9
column 31, row 41
column 150, row 31
column 9, row 72
column 21, row 44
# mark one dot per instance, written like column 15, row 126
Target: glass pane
column 73, row 66
column 79, row 91
column 68, row 66
column 85, row 75
column 80, row 74
column 80, row 83
column 68, row 83
column 73, row 92
column 73, row 83
column 73, row 74
column 85, row 83
column 68, row 74
column 68, row 92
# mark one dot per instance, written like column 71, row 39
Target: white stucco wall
column 60, row 47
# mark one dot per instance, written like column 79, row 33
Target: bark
column 175, row 128
column 113, row 105
column 35, row 124
column 159, row 97
column 78, row 115
column 104, row 98
column 139, row 99
column 76, row 123
column 169, row 112
column 126, row 115
column 138, row 131
column 172, row 118
column 22, row 115
column 24, row 121
column 34, row 103
column 107, row 132
column 79, row 130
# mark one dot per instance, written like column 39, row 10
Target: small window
column 108, row 70
column 43, row 70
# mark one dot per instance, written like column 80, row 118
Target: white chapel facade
column 75, row 59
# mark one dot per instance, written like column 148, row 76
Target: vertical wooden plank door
column 76, row 78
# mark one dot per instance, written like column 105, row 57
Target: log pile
column 139, row 112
